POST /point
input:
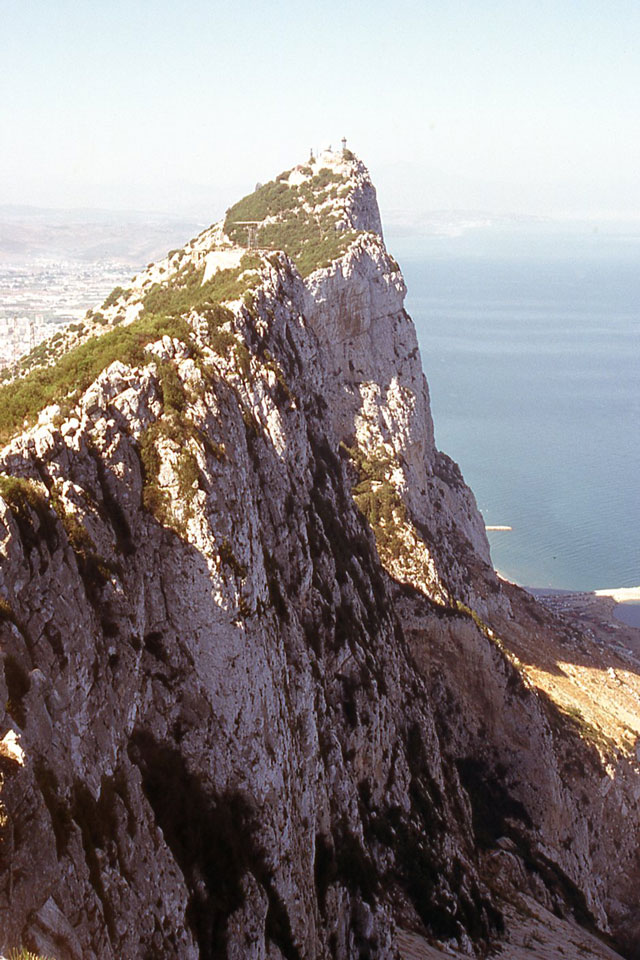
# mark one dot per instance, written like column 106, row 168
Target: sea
column 530, row 341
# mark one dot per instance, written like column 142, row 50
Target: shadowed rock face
column 245, row 641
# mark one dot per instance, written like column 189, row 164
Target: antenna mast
column 252, row 231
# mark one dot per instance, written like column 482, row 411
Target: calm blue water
column 531, row 346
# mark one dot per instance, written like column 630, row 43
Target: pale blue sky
column 524, row 107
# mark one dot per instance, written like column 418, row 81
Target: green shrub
column 479, row 622
column 38, row 355
column 24, row 499
column 323, row 178
column 94, row 569
column 188, row 473
column 219, row 339
column 6, row 612
column 156, row 502
column 243, row 359
column 379, row 502
column 115, row 294
column 180, row 431
column 173, row 392
column 20, row 493
column 149, row 456
column 284, row 391
column 229, row 559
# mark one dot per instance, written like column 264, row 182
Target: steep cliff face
column 379, row 406
column 244, row 622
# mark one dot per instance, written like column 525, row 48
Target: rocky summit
column 262, row 694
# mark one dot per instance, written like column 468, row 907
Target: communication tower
column 252, row 231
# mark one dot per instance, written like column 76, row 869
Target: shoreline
column 617, row 607
column 627, row 604
column 620, row 606
column 618, row 594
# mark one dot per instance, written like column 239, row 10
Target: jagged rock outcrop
column 244, row 621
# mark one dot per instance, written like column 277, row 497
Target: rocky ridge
column 270, row 696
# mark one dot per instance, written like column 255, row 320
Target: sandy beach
column 621, row 594
column 627, row 600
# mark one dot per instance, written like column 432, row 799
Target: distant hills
column 130, row 237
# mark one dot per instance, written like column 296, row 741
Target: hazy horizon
column 135, row 237
column 396, row 221
column 506, row 108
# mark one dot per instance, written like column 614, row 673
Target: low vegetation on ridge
column 163, row 308
column 297, row 219
column 186, row 290
column 76, row 370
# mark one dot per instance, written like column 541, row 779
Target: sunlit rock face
column 251, row 703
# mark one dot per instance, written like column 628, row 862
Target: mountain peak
column 265, row 681
column 311, row 211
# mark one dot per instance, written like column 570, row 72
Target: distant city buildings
column 18, row 335
column 39, row 297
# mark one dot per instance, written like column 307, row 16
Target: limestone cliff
column 260, row 691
